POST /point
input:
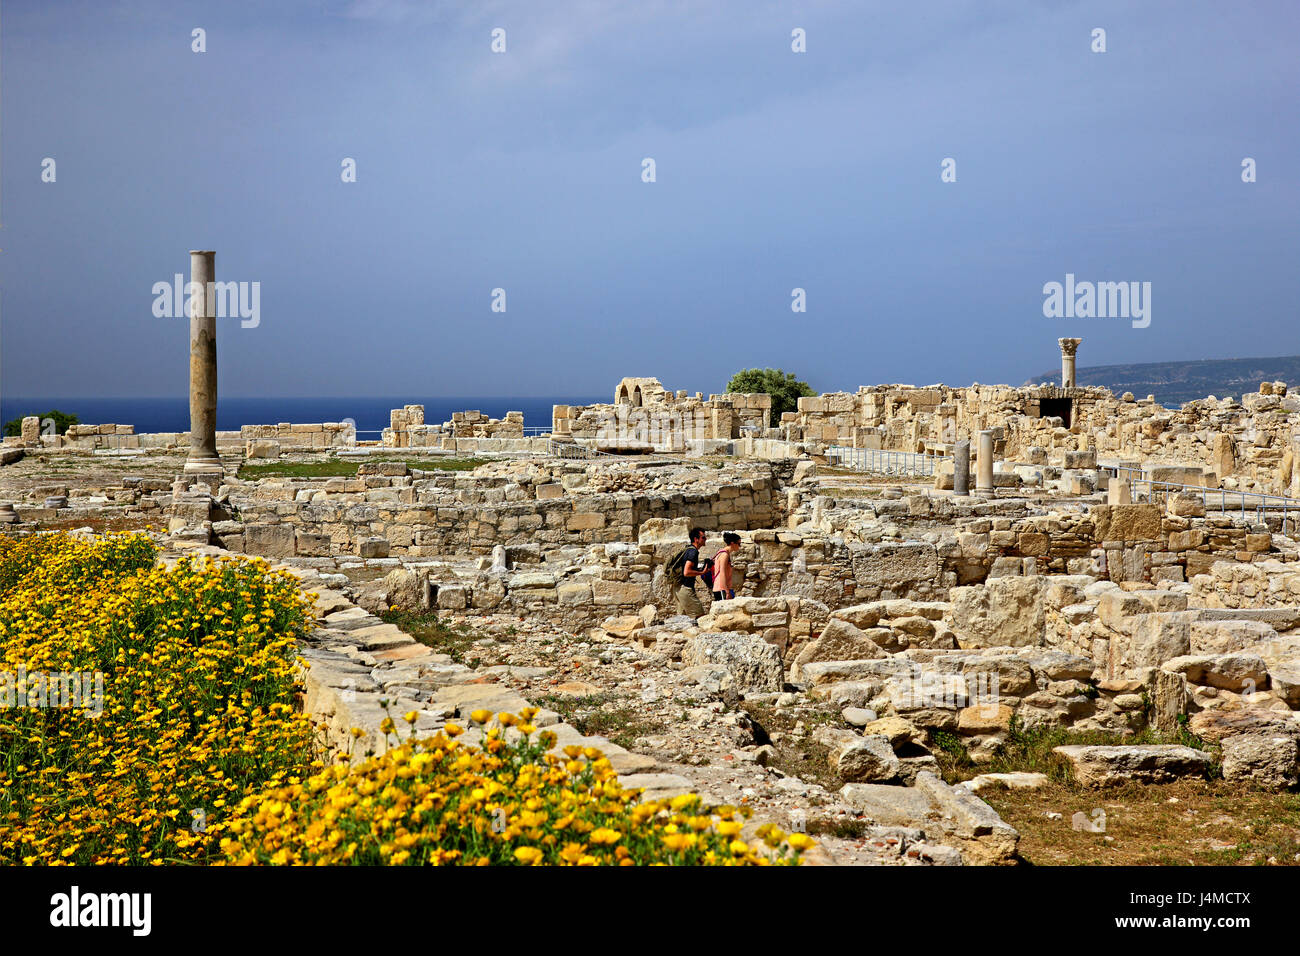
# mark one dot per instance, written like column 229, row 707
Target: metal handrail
column 1123, row 471
column 1242, row 502
column 883, row 461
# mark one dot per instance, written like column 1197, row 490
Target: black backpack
column 709, row 565
column 674, row 568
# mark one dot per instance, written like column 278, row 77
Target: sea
column 369, row 414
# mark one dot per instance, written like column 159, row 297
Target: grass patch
column 1030, row 751
column 843, row 829
column 454, row 640
column 1209, row 823
column 621, row 724
column 798, row 756
column 107, row 524
column 952, row 756
column 347, row 468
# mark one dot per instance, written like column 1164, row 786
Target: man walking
column 691, row 566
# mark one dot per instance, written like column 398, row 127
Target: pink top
column 722, row 570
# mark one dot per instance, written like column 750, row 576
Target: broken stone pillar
column 961, row 468
column 203, row 457
column 1118, row 492
column 1224, row 461
column 31, row 430
column 819, row 506
column 498, row 559
column 984, row 480
column 1068, row 348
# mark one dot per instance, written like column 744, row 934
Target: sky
column 522, row 170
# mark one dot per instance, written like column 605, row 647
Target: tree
column 61, row 422
column 785, row 389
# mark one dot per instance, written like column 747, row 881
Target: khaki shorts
column 688, row 603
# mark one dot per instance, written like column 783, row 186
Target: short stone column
column 203, row 457
column 1119, row 492
column 984, row 480
column 961, row 468
column 1068, row 349
column 31, row 430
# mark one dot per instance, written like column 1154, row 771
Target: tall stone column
column 203, row 457
column 961, row 468
column 1068, row 348
column 984, row 480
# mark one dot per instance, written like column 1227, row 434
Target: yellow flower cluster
column 195, row 751
column 196, row 709
column 508, row 801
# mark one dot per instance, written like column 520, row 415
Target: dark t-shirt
column 692, row 557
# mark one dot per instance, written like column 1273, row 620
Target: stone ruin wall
column 286, row 436
column 553, row 505
column 407, row 428
column 646, row 417
column 1252, row 444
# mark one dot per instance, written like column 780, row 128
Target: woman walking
column 722, row 568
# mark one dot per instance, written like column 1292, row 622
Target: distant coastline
column 370, row 414
column 1173, row 383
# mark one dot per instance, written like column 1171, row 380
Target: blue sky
column 522, row 171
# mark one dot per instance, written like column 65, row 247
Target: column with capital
column 1068, row 349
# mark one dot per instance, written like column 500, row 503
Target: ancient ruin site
column 849, row 437
column 982, row 625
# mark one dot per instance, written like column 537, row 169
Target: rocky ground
column 824, row 744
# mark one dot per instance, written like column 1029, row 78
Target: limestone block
column 1006, row 611
column 1185, row 505
column 585, row 521
column 262, row 448
column 1234, row 672
column 574, row 593
column 620, row 592
column 984, row 718
column 1226, row 637
column 840, row 641
column 1102, row 766
column 453, row 597
column 1270, row 761
column 1215, row 726
column 1154, row 639
column 373, row 547
column 865, row 759
column 270, row 540
column 307, row 544
column 1128, row 523
column 753, row 665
